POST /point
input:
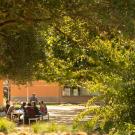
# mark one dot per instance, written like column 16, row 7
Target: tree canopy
column 78, row 21
column 77, row 42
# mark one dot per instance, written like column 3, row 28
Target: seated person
column 23, row 105
column 23, row 108
column 7, row 106
column 36, row 108
column 43, row 108
column 30, row 113
column 10, row 111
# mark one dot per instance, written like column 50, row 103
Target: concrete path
column 64, row 113
column 61, row 114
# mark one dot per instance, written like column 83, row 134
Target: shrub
column 1, row 108
column 6, row 126
column 50, row 127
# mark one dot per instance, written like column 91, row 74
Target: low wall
column 63, row 99
column 46, row 99
column 74, row 99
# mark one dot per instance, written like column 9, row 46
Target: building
column 1, row 92
column 49, row 92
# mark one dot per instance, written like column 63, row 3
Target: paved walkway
column 64, row 113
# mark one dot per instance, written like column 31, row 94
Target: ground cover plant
column 6, row 126
column 43, row 127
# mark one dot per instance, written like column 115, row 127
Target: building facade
column 49, row 92
column 1, row 92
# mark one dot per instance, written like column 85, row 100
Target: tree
column 88, row 43
column 21, row 47
column 99, row 57
column 105, row 66
column 90, row 18
column 23, row 53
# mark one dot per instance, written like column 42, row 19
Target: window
column 74, row 91
column 66, row 91
column 83, row 91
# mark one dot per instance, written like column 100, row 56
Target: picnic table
column 15, row 115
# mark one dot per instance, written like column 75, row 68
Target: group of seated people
column 30, row 110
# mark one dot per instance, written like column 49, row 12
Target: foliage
column 75, row 23
column 2, row 108
column 103, row 63
column 21, row 49
column 114, row 81
column 87, row 43
column 50, row 127
column 6, row 126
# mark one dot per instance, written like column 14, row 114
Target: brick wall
column 1, row 92
column 40, row 88
column 51, row 93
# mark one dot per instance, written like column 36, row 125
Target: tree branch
column 7, row 22
column 24, row 20
column 65, row 35
column 3, row 35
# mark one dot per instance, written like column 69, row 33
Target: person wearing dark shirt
column 7, row 106
column 29, row 113
column 23, row 106
column 36, row 108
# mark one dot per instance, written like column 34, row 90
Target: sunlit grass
column 42, row 127
column 6, row 125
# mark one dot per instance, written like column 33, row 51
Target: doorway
column 6, row 90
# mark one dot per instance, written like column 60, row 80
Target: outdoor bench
column 33, row 119
column 45, row 116
column 38, row 117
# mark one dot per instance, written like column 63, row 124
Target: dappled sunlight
column 65, row 114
